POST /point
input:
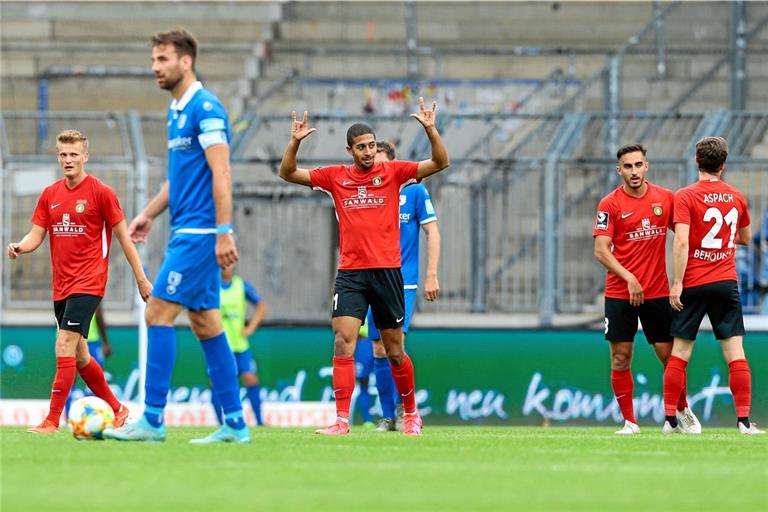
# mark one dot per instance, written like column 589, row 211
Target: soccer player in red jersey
column 366, row 196
column 710, row 218
column 80, row 213
column 630, row 239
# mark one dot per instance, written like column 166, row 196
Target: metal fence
column 516, row 207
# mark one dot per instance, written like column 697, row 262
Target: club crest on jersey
column 376, row 181
column 658, row 210
column 403, row 199
column 80, row 206
column 646, row 223
column 602, row 220
column 182, row 121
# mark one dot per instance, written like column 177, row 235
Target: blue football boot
column 141, row 430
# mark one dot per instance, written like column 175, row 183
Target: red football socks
column 93, row 376
column 405, row 382
column 343, row 384
column 623, row 388
column 674, row 384
column 62, row 385
column 740, row 380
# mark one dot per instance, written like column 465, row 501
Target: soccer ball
column 88, row 417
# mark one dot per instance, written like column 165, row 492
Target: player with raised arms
column 366, row 197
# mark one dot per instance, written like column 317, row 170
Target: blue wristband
column 224, row 229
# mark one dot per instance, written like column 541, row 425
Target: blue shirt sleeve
column 250, row 293
column 424, row 209
column 211, row 123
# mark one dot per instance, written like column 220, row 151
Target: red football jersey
column 368, row 210
column 638, row 228
column 79, row 223
column 715, row 211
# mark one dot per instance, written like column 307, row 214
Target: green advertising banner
column 505, row 377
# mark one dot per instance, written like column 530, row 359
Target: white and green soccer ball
column 88, row 417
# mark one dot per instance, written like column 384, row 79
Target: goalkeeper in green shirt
column 236, row 293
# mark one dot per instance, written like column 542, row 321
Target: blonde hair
column 70, row 137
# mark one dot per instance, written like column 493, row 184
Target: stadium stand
column 523, row 90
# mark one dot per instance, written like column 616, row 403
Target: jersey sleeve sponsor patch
column 602, row 220
column 212, row 124
column 212, row 138
column 428, row 207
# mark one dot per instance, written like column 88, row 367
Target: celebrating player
column 199, row 195
column 630, row 239
column 236, row 293
column 710, row 218
column 80, row 213
column 366, row 196
column 415, row 210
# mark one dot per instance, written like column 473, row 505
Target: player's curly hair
column 711, row 153
column 630, row 148
column 70, row 137
column 181, row 39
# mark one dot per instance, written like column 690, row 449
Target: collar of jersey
column 191, row 90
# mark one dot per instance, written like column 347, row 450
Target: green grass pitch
column 447, row 469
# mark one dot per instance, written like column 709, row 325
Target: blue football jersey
column 195, row 123
column 415, row 209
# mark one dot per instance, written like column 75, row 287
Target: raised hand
column 425, row 117
column 299, row 129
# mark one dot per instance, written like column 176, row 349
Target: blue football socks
column 254, row 395
column 161, row 355
column 222, row 369
column 385, row 384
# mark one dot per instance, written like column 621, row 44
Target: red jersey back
column 368, row 210
column 638, row 228
column 79, row 223
column 715, row 211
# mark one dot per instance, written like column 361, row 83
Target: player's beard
column 171, row 81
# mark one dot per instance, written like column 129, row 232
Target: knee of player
column 66, row 342
column 249, row 379
column 621, row 361
column 379, row 350
column 396, row 357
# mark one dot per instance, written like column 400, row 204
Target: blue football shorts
column 245, row 362
column 190, row 274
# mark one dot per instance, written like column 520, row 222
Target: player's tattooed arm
column 29, row 243
column 289, row 170
column 439, row 160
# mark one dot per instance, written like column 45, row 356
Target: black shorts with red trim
column 720, row 301
column 381, row 288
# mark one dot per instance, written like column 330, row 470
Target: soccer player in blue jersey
column 199, row 195
column 416, row 211
column 236, row 293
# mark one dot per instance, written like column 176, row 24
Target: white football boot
column 629, row 428
column 669, row 429
column 688, row 422
column 752, row 430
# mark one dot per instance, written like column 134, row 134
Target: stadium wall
column 490, row 377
